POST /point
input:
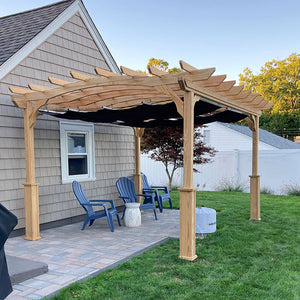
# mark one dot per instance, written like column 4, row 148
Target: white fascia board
column 75, row 7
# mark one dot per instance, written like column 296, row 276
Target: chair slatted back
column 146, row 184
column 82, row 199
column 126, row 188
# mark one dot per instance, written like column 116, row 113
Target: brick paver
column 73, row 254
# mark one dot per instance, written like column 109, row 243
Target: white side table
column 132, row 217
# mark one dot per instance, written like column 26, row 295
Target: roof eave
column 76, row 7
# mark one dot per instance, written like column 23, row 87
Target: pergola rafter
column 193, row 96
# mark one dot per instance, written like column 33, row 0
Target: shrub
column 266, row 190
column 291, row 189
column 228, row 185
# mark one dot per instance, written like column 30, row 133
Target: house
column 227, row 136
column 36, row 44
column 136, row 100
column 279, row 159
column 232, row 162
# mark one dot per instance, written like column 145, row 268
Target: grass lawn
column 243, row 260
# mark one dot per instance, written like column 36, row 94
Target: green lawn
column 243, row 260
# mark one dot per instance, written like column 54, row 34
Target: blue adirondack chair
column 127, row 192
column 159, row 197
column 87, row 205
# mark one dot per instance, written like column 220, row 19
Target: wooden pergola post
column 31, row 196
column 187, row 192
column 254, row 178
column 137, row 177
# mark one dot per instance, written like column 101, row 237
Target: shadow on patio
column 72, row 254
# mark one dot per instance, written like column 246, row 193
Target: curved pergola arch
column 194, row 96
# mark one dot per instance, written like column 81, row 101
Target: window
column 77, row 151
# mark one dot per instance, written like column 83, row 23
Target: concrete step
column 21, row 269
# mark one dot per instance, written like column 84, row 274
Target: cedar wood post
column 31, row 195
column 137, row 177
column 255, row 178
column 187, row 192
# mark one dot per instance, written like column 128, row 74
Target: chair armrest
column 165, row 188
column 148, row 189
column 95, row 204
column 109, row 201
column 148, row 196
column 152, row 190
column 144, row 195
column 100, row 200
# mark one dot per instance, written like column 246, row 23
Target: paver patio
column 73, row 254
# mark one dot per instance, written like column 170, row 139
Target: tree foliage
column 162, row 65
column 166, row 145
column 279, row 82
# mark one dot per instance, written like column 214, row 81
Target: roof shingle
column 18, row 29
column 265, row 136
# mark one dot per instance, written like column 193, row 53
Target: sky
column 229, row 35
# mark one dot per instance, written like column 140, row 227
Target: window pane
column 78, row 165
column 76, row 142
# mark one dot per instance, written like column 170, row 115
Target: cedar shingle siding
column 70, row 48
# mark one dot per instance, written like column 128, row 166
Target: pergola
column 188, row 98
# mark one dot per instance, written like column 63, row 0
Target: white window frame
column 73, row 127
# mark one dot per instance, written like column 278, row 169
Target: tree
column 166, row 145
column 279, row 82
column 162, row 65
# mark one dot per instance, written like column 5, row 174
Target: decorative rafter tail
column 58, row 81
column 21, row 91
column 156, row 72
column 242, row 95
column 186, row 67
column 80, row 76
column 262, row 103
column 224, row 86
column 130, row 72
column 235, row 90
column 214, row 81
column 105, row 73
column 268, row 105
column 38, row 88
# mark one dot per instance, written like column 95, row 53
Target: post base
column 32, row 218
column 187, row 223
column 255, row 197
column 189, row 258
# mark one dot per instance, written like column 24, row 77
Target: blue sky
column 229, row 35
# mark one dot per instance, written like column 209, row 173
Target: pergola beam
column 121, row 92
column 214, row 96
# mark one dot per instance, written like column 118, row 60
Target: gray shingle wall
column 70, row 48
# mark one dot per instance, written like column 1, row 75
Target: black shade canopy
column 147, row 116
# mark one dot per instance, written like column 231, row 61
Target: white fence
column 277, row 168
